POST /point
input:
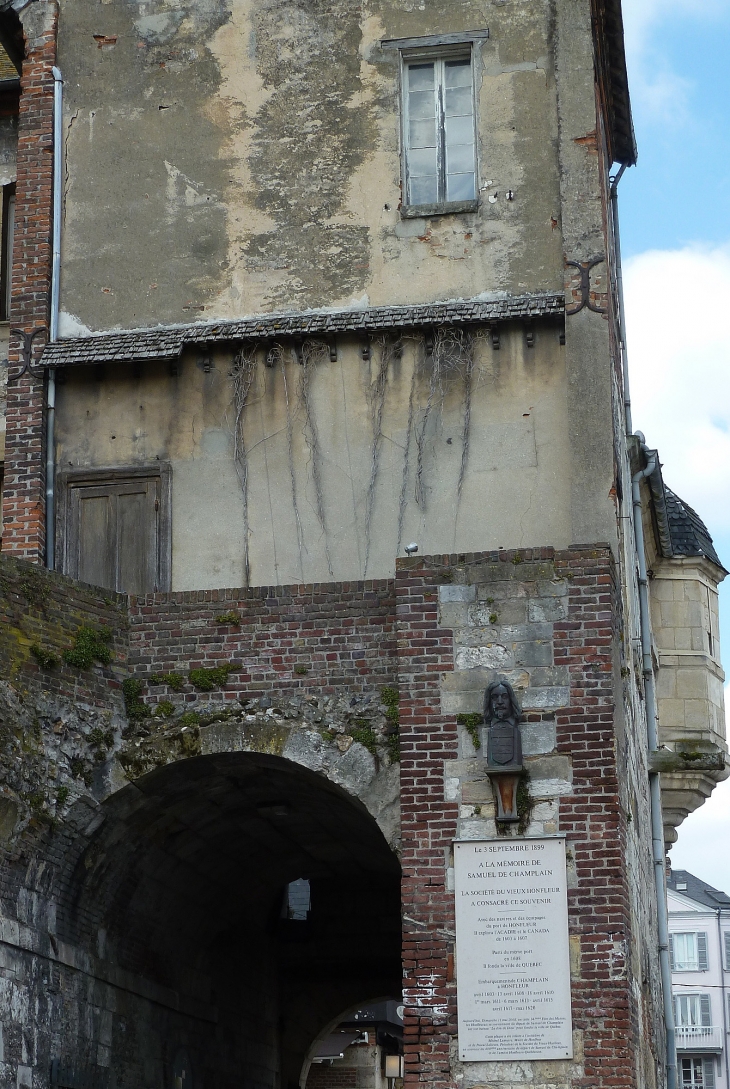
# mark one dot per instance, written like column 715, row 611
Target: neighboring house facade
column 699, row 924
column 318, row 423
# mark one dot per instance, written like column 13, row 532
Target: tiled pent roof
column 168, row 342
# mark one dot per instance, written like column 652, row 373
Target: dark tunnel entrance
column 236, row 904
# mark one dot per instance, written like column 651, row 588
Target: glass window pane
column 459, row 130
column 459, row 158
column 422, row 161
column 685, row 953
column 460, row 187
column 420, row 77
column 422, row 133
column 457, row 100
column 457, row 73
column 423, row 190
column 421, row 104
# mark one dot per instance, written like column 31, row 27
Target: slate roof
column 697, row 890
column 680, row 529
column 688, row 532
column 168, row 342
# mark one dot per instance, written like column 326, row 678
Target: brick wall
column 42, row 609
column 24, row 486
column 594, row 819
column 591, row 815
column 428, row 826
column 315, row 638
column 331, row 1077
column 350, row 637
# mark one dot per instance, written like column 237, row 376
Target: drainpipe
column 53, row 322
column 655, row 797
column 657, row 828
column 723, row 997
column 613, row 195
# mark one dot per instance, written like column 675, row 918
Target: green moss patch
column 135, row 708
column 175, row 681
column 229, row 618
column 365, row 734
column 205, row 680
column 472, row 723
column 46, row 659
column 189, row 718
column 91, row 645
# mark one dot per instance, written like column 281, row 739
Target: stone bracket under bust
column 502, row 715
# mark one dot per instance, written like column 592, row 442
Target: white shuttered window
column 439, row 141
column 688, row 952
column 693, row 1010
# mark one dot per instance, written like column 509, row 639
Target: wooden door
column 114, row 534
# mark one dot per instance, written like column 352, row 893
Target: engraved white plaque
column 512, row 959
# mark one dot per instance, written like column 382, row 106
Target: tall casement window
column 438, row 131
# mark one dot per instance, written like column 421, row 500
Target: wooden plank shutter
column 705, row 1011
column 115, row 532
column 671, row 951
column 137, row 536
column 702, row 952
column 92, row 514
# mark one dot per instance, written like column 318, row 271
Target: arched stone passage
column 175, row 894
column 381, row 1016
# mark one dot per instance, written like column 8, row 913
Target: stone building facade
column 317, row 423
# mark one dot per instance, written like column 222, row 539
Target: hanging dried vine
column 313, row 352
column 243, row 372
column 376, row 396
column 403, row 501
column 467, row 368
column 276, row 354
column 453, row 353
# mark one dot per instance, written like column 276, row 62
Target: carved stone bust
column 502, row 715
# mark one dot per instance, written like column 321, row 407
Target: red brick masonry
column 592, row 816
column 355, row 636
column 24, row 487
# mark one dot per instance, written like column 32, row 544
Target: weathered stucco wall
column 345, row 461
column 248, row 159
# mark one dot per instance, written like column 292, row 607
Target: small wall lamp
column 394, row 1066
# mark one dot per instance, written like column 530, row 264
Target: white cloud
column 679, row 358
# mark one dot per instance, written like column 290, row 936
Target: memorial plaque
column 512, row 961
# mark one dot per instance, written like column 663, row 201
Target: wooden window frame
column 458, row 50
column 701, row 948
column 72, row 478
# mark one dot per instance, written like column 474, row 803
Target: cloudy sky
column 675, row 220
